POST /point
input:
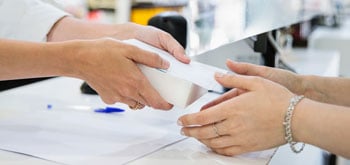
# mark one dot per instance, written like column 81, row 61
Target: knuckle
column 126, row 91
column 201, row 119
column 263, row 70
column 185, row 120
column 166, row 35
column 108, row 100
column 107, row 41
column 257, row 79
column 231, row 151
column 215, row 143
column 230, row 78
column 141, row 81
column 156, row 59
column 201, row 133
column 244, row 65
column 188, row 132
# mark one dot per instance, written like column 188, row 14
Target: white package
column 181, row 84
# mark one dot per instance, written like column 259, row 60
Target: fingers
column 238, row 81
column 246, row 68
column 144, row 93
column 139, row 91
column 131, row 95
column 148, row 58
column 230, row 151
column 163, row 40
column 206, row 117
column 219, row 142
column 131, row 102
column 224, row 145
column 232, row 93
column 168, row 43
column 208, row 131
column 136, row 106
column 153, row 98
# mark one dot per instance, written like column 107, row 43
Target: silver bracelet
column 288, row 124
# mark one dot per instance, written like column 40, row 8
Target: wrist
column 300, row 84
column 310, row 90
column 69, row 28
column 63, row 58
column 124, row 31
column 300, row 129
column 288, row 125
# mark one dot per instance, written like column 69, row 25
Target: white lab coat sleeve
column 29, row 20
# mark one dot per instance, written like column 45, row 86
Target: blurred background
column 215, row 22
column 310, row 36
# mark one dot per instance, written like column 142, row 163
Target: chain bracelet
column 288, row 124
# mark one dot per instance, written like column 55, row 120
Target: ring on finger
column 137, row 106
column 216, row 130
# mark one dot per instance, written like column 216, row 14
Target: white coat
column 29, row 20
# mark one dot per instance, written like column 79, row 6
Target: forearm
column 323, row 125
column 69, row 28
column 21, row 59
column 331, row 90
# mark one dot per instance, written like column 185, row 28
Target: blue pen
column 109, row 110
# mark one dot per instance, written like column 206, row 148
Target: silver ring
column 215, row 130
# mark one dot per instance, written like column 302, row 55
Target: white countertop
column 67, row 90
column 187, row 151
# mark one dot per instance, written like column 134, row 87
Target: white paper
column 86, row 138
column 195, row 72
column 72, row 135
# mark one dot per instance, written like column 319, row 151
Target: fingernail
column 219, row 75
column 231, row 60
column 182, row 133
column 166, row 64
column 179, row 123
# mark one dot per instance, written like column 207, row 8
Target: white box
column 181, row 84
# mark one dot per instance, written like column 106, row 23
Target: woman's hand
column 248, row 118
column 286, row 78
column 69, row 28
column 109, row 66
column 155, row 37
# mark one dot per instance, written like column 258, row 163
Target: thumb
column 149, row 58
column 228, row 95
column 174, row 48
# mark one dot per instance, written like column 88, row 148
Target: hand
column 109, row 66
column 155, row 37
column 286, row 78
column 248, row 118
column 69, row 28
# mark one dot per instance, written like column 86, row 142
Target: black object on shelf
column 86, row 89
column 173, row 23
column 9, row 84
column 263, row 46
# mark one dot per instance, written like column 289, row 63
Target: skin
column 250, row 116
column 80, row 49
column 314, row 87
